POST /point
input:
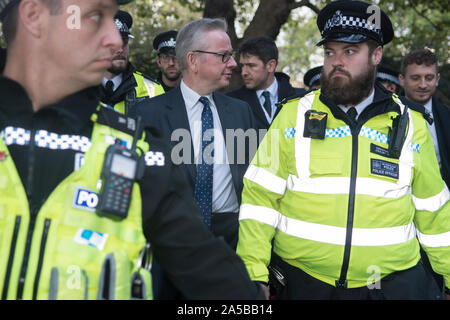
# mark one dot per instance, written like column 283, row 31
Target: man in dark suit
column 206, row 66
column 419, row 78
column 264, row 88
column 201, row 125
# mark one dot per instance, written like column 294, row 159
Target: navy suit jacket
column 441, row 116
column 167, row 113
column 285, row 90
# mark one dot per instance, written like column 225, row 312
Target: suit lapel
column 256, row 107
column 176, row 118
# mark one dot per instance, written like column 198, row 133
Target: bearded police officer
column 350, row 180
column 123, row 86
column 83, row 192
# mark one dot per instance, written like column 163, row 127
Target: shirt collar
column 273, row 89
column 117, row 80
column 77, row 107
column 191, row 97
column 428, row 106
column 362, row 105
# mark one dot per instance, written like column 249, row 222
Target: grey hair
column 190, row 37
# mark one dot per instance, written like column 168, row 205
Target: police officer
column 349, row 181
column 389, row 79
column 123, row 86
column 170, row 74
column 312, row 78
column 84, row 194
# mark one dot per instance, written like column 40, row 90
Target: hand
column 265, row 289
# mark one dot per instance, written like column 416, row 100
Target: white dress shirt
column 224, row 198
column 432, row 129
column 273, row 90
column 360, row 106
column 117, row 80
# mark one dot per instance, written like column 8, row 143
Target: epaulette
column 293, row 97
column 107, row 116
column 417, row 107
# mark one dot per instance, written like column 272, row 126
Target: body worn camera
column 315, row 124
column 397, row 134
column 121, row 168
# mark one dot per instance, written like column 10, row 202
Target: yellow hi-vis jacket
column 342, row 209
column 75, row 253
column 145, row 88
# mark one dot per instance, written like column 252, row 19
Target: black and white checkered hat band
column 338, row 20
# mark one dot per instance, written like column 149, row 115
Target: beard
column 119, row 65
column 171, row 76
column 349, row 91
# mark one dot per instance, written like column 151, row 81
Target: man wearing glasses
column 169, row 76
column 203, row 126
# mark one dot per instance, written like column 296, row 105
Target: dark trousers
column 412, row 284
column 224, row 226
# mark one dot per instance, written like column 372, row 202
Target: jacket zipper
column 41, row 257
column 33, row 214
column 342, row 282
column 11, row 257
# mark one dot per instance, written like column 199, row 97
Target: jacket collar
column 77, row 108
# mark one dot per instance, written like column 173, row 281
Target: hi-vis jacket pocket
column 69, row 283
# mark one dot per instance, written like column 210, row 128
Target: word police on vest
column 85, row 199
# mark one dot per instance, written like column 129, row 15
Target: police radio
column 397, row 134
column 121, row 168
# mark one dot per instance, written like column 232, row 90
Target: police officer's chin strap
column 397, row 134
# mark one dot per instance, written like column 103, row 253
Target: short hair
column 420, row 56
column 262, row 47
column 9, row 23
column 190, row 37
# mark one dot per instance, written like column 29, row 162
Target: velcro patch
column 91, row 238
column 384, row 168
column 380, row 151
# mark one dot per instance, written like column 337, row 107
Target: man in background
column 169, row 76
column 123, row 86
column 263, row 88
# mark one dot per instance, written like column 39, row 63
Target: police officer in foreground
column 170, row 74
column 123, row 86
column 84, row 193
column 350, row 181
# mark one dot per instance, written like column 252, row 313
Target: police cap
column 354, row 22
column 312, row 76
column 166, row 41
column 386, row 74
column 124, row 22
column 5, row 5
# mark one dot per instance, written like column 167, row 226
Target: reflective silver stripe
column 434, row 203
column 366, row 237
column 150, row 85
column 434, row 240
column 265, row 179
column 302, row 144
column 341, row 185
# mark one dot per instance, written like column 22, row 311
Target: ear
column 271, row 65
column 377, row 55
column 401, row 79
column 438, row 76
column 192, row 61
column 31, row 16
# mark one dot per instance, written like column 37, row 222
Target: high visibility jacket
column 73, row 253
column 342, row 209
column 144, row 88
